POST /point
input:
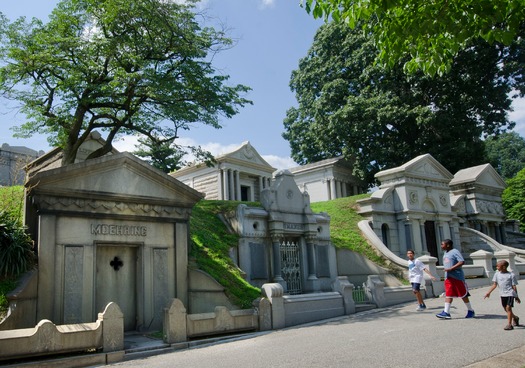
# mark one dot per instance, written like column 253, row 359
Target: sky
column 271, row 37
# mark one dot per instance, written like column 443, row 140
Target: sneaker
column 516, row 321
column 422, row 307
column 508, row 327
column 443, row 315
column 470, row 314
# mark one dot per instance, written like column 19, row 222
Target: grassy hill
column 211, row 243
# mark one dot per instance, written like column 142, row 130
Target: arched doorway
column 430, row 238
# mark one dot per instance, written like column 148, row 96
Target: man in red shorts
column 455, row 286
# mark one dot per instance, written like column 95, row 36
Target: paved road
column 390, row 337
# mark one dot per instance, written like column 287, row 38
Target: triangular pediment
column 424, row 167
column 246, row 153
column 119, row 176
column 484, row 175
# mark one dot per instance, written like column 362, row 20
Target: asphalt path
column 397, row 336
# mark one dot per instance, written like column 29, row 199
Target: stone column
column 484, row 228
column 261, row 186
column 424, row 248
column 440, row 232
column 503, row 233
column 333, row 190
column 312, row 261
column 408, row 234
column 219, row 185
column 231, row 185
column 344, row 192
column 237, row 186
column 276, row 250
column 225, row 186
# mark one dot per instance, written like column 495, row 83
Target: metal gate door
column 291, row 266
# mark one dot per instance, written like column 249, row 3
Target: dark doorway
column 245, row 193
column 430, row 236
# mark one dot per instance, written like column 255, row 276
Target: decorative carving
column 443, row 200
column 413, row 198
column 110, row 207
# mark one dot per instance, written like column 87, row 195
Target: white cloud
column 129, row 143
column 267, row 4
column 279, row 162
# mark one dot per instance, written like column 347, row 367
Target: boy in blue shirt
column 455, row 286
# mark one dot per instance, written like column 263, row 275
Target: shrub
column 16, row 247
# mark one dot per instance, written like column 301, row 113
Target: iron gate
column 291, row 266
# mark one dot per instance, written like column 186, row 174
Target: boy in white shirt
column 415, row 276
column 506, row 281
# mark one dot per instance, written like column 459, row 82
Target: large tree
column 513, row 198
column 506, row 153
column 431, row 32
column 119, row 66
column 349, row 105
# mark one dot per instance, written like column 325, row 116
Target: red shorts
column 455, row 288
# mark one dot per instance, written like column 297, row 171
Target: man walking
column 455, row 286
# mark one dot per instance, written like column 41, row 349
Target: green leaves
column 139, row 66
column 16, row 248
column 428, row 33
column 513, row 198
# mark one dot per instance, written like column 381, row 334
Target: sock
column 447, row 308
column 469, row 307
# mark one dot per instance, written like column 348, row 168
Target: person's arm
column 429, row 273
column 487, row 295
column 516, row 293
column 456, row 266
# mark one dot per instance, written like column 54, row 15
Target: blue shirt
column 450, row 258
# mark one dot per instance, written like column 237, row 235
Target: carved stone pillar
column 312, row 259
column 276, row 250
column 225, row 186
column 408, row 234
column 237, row 186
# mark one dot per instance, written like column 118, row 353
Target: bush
column 16, row 247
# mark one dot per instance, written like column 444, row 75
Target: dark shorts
column 416, row 286
column 455, row 288
column 507, row 301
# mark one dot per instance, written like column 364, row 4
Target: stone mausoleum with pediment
column 110, row 229
column 240, row 175
column 421, row 203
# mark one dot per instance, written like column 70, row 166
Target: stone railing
column 107, row 333
column 179, row 326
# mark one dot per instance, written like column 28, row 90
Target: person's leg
column 419, row 297
column 448, row 302
column 510, row 318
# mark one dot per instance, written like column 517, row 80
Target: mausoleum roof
column 483, row 174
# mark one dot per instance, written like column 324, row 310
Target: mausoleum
column 111, row 229
column 239, row 175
